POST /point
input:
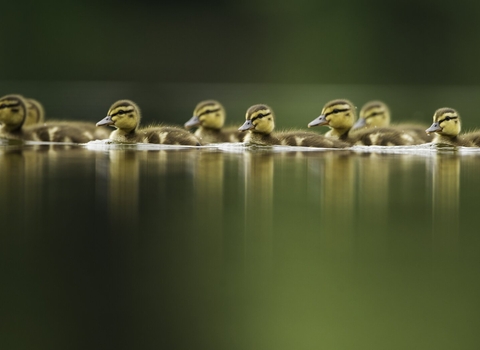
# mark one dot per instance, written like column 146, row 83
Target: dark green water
column 245, row 249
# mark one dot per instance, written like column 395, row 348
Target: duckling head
column 259, row 119
column 123, row 115
column 339, row 115
column 446, row 121
column 208, row 114
column 13, row 111
column 373, row 114
column 35, row 112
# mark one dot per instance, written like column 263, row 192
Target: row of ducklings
column 372, row 128
column 23, row 118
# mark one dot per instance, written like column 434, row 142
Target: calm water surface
column 122, row 247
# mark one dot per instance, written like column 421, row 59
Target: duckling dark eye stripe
column 450, row 118
column 7, row 105
column 260, row 116
column 208, row 111
column 120, row 112
column 337, row 111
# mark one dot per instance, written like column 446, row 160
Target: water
column 234, row 248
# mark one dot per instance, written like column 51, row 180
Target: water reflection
column 119, row 171
column 258, row 201
column 310, row 248
column 445, row 182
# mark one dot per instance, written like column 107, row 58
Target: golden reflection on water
column 123, row 178
column 289, row 243
column 445, row 179
column 258, row 171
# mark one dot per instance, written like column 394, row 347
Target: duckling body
column 13, row 112
column 340, row 116
column 447, row 126
column 125, row 116
column 209, row 116
column 375, row 114
column 260, row 124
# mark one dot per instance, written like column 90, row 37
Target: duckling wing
column 308, row 139
column 385, row 137
column 57, row 133
column 168, row 135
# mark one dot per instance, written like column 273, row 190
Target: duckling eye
column 447, row 118
column 336, row 110
column 120, row 112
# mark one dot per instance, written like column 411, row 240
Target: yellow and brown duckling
column 209, row 117
column 13, row 113
column 340, row 116
column 35, row 112
column 376, row 114
column 125, row 116
column 447, row 126
column 260, row 122
column 36, row 115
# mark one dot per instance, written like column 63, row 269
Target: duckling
column 209, row 117
column 35, row 112
column 340, row 116
column 377, row 114
column 125, row 116
column 447, row 126
column 260, row 122
column 36, row 115
column 13, row 112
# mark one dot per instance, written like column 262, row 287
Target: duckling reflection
column 445, row 172
column 373, row 194
column 21, row 176
column 337, row 203
column 259, row 170
column 123, row 188
column 208, row 176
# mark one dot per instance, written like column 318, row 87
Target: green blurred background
column 295, row 50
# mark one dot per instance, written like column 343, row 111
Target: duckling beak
column 194, row 121
column 321, row 120
column 247, row 126
column 361, row 123
column 106, row 121
column 433, row 128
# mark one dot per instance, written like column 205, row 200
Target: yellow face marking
column 261, row 117
column 211, row 114
column 448, row 120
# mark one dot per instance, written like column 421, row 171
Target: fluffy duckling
column 36, row 115
column 35, row 112
column 125, row 116
column 376, row 114
column 447, row 126
column 13, row 112
column 209, row 117
column 260, row 123
column 340, row 116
